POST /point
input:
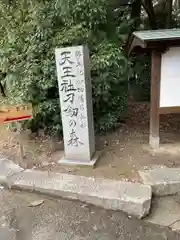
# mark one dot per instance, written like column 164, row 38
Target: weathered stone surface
column 75, row 90
column 71, row 162
column 132, row 198
column 7, row 233
column 7, row 169
column 165, row 212
column 164, row 181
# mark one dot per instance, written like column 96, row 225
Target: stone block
column 132, row 198
column 7, row 169
column 164, row 181
column 75, row 91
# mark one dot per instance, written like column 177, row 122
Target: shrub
column 30, row 32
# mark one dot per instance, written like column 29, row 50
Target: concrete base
column 154, row 142
column 69, row 162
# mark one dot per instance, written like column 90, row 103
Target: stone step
column 132, row 198
column 164, row 181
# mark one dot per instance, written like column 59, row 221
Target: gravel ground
column 59, row 219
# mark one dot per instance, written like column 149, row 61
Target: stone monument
column 74, row 81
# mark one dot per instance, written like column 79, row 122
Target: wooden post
column 155, row 99
column 21, row 148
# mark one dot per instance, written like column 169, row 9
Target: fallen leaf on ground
column 36, row 203
column 95, row 228
column 84, row 206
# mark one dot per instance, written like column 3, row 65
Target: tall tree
column 136, row 13
column 148, row 7
column 169, row 9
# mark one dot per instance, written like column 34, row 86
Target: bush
column 140, row 83
column 30, row 32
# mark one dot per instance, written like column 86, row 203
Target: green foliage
column 141, row 65
column 29, row 33
column 141, row 77
column 110, row 75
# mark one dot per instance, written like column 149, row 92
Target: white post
column 74, row 80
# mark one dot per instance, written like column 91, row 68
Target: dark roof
column 163, row 34
column 153, row 38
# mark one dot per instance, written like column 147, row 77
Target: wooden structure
column 15, row 113
column 165, row 73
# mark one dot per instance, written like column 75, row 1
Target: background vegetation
column 30, row 30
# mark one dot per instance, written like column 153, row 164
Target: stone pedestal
column 74, row 80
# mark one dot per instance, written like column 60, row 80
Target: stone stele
column 75, row 90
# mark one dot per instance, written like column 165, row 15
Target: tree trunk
column 136, row 14
column 148, row 6
column 169, row 13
